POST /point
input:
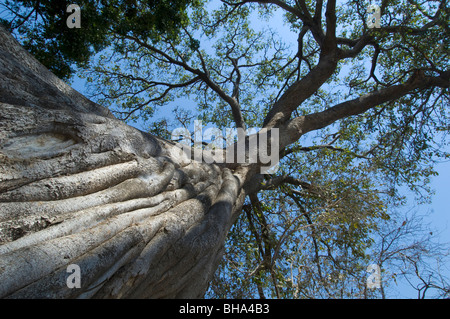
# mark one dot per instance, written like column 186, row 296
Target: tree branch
column 235, row 107
column 320, row 147
column 298, row 92
column 303, row 124
column 329, row 44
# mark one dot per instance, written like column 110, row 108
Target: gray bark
column 78, row 186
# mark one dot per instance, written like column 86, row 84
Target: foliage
column 41, row 24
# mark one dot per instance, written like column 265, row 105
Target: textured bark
column 78, row 186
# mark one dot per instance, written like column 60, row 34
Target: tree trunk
column 78, row 186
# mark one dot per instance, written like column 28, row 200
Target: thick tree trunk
column 78, row 186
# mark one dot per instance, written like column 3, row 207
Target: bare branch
column 321, row 147
column 235, row 107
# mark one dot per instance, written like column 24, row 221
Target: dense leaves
column 41, row 24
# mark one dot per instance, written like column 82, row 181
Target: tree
column 327, row 197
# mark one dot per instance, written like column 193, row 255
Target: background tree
column 375, row 105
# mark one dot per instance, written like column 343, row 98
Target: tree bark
column 78, row 186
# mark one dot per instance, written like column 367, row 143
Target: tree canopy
column 362, row 112
column 42, row 26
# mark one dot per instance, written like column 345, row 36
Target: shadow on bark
column 78, row 186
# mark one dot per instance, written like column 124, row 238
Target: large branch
column 315, row 121
column 301, row 90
